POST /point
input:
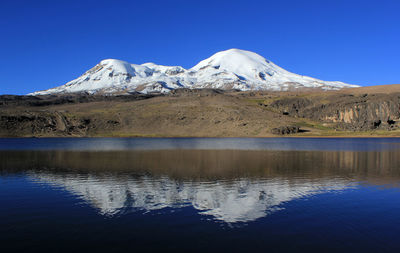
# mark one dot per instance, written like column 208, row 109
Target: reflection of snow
column 240, row 200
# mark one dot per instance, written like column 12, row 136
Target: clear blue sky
column 44, row 44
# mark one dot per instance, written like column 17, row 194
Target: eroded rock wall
column 351, row 112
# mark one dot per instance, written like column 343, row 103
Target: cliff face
column 368, row 115
column 201, row 113
column 346, row 111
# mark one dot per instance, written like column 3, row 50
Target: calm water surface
column 200, row 194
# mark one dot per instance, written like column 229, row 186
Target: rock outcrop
column 283, row 130
column 346, row 111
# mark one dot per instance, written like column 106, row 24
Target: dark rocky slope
column 346, row 111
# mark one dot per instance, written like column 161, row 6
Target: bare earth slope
column 391, row 88
column 367, row 111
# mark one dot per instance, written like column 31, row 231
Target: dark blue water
column 200, row 195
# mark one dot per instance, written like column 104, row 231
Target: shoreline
column 209, row 137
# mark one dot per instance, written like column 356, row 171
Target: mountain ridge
column 230, row 69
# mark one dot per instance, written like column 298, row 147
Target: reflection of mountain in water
column 238, row 200
column 231, row 185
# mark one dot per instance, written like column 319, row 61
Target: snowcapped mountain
column 230, row 69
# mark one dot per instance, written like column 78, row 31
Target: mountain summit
column 230, row 69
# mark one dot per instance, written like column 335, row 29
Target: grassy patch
column 314, row 125
column 255, row 101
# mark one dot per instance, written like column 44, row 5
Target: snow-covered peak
column 234, row 60
column 122, row 67
column 115, row 62
column 170, row 70
column 230, row 69
column 245, row 65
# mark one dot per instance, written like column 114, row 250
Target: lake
column 200, row 194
